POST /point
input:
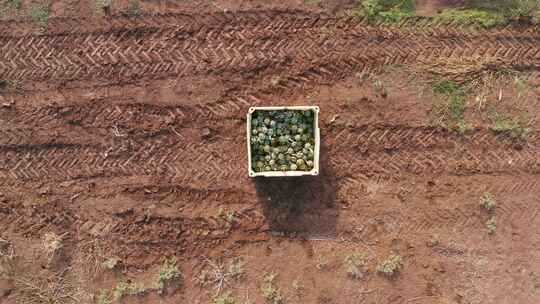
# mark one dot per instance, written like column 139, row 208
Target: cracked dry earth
column 127, row 136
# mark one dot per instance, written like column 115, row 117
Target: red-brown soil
column 125, row 135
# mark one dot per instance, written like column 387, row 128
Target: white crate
column 314, row 171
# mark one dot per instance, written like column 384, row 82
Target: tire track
column 157, row 52
column 213, row 162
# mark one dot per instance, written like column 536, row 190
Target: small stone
column 206, row 132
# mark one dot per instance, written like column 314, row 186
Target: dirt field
column 122, row 141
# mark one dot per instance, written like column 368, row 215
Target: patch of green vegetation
column 522, row 85
column 14, row 4
column 491, row 225
column 168, row 271
column 312, row 2
column 514, row 127
column 104, row 298
column 355, row 265
column 463, row 128
column 488, row 202
column 449, row 112
column 385, row 10
column 476, row 12
column 482, row 18
column 235, row 269
column 124, row 289
column 394, row 15
column 226, row 298
column 493, row 13
column 40, row 14
column 515, row 9
column 270, row 292
column 390, row 266
column 448, row 87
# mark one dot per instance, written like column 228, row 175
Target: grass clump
column 270, row 292
column 104, row 298
column 312, row 2
column 448, row 87
column 390, row 266
column 226, row 298
column 483, row 18
column 13, row 4
column 355, row 264
column 514, row 127
column 463, row 128
column 488, row 202
column 449, row 112
column 168, row 271
column 512, row 10
column 385, row 10
column 40, row 14
column 127, row 289
column 491, row 225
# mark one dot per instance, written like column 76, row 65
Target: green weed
column 226, row 298
column 513, row 127
column 482, row 18
column 355, row 265
column 394, row 15
column 515, row 9
column 124, row 289
column 491, row 225
column 104, row 298
column 312, row 2
column 40, row 14
column 450, row 111
column 385, row 10
column 463, row 128
column 270, row 292
column 521, row 85
column 14, row 4
column 390, row 266
column 447, row 87
column 487, row 202
column 168, row 271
